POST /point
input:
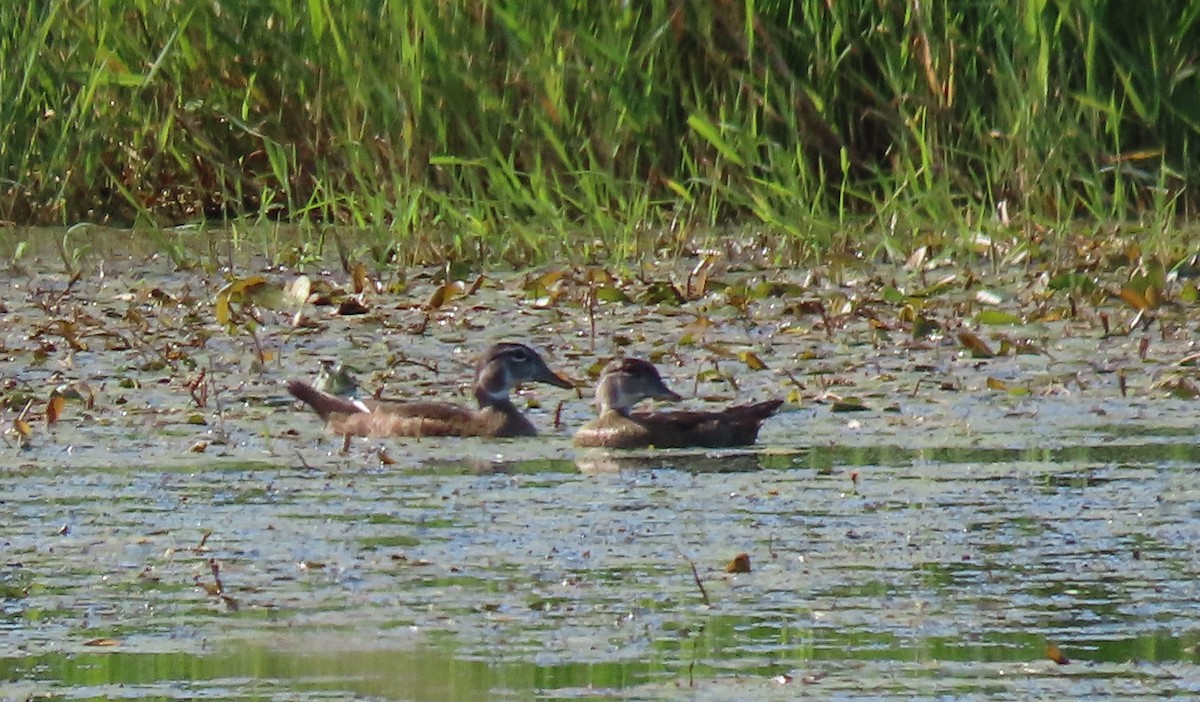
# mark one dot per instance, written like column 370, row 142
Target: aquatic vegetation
column 501, row 131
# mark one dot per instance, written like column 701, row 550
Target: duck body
column 626, row 382
column 502, row 368
column 734, row 426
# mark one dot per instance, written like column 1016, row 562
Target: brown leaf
column 978, row 347
column 739, row 564
column 444, row 293
column 1153, row 296
column 212, row 589
column 222, row 310
column 542, row 283
column 234, row 290
column 102, row 642
column 697, row 282
column 1056, row 655
column 352, row 306
column 1134, row 299
column 54, row 407
column 358, row 276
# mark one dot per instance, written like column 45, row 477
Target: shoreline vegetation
column 517, row 132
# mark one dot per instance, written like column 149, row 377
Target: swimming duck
column 625, row 382
column 501, row 368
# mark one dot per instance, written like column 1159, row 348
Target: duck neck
column 492, row 387
column 609, row 397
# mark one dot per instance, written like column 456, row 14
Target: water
column 936, row 575
column 935, row 546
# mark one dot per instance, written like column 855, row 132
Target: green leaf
column 710, row 134
column 997, row 317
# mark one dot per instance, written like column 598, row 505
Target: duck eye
column 519, row 356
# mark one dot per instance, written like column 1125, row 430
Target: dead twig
column 699, row 584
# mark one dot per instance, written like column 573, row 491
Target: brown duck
column 625, row 382
column 502, row 368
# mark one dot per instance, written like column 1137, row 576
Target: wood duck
column 625, row 382
column 502, row 368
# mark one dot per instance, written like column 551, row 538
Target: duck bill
column 556, row 379
column 668, row 395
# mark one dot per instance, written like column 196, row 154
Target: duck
column 626, row 382
column 502, row 367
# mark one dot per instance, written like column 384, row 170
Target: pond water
column 940, row 544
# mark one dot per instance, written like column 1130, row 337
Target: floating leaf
column 773, row 288
column 609, row 293
column 298, row 290
column 997, row 317
column 70, row 333
column 924, row 326
column 978, row 347
column 892, row 295
column 442, row 294
column 661, row 292
column 1134, row 299
column 222, row 311
column 739, row 564
column 752, row 361
column 1021, row 347
column 54, row 407
column 937, row 287
column 600, row 276
column 849, row 404
column 234, row 291
column 1072, row 281
column 541, row 284
column 358, row 278
column 1056, row 655
column 266, row 294
column 1179, row 388
column 996, row 384
column 697, row 283
column 102, row 642
column 352, row 306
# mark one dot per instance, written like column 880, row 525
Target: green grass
column 525, row 132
